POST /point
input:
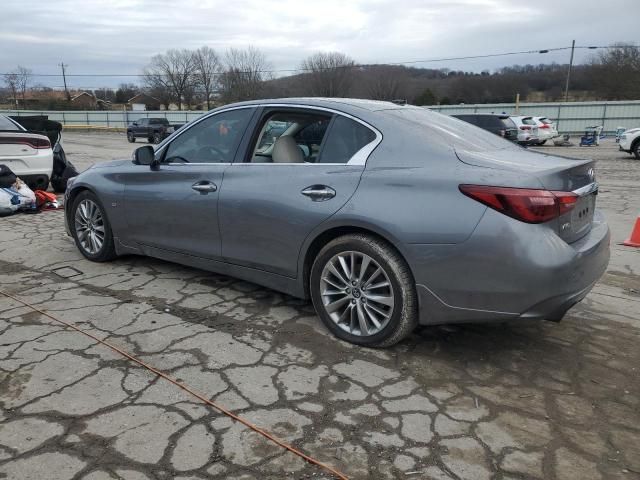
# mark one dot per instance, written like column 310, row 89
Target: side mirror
column 145, row 155
column 135, row 124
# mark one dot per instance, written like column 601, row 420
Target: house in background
column 142, row 102
column 84, row 100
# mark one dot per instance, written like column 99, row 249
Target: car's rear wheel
column 157, row 137
column 363, row 291
column 131, row 137
column 91, row 229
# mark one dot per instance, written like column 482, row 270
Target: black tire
column 542, row 142
column 404, row 317
column 131, row 137
column 157, row 137
column 108, row 251
column 636, row 150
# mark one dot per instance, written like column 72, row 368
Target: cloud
column 119, row 36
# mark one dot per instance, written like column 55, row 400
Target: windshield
column 6, row 124
column 451, row 131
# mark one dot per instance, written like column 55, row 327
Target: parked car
column 630, row 142
column 500, row 124
column 62, row 168
column 527, row 130
column 392, row 215
column 28, row 155
column 546, row 129
column 153, row 129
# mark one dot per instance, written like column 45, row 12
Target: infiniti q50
column 386, row 216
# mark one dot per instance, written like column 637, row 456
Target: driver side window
column 213, row 140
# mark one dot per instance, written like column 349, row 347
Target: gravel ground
column 525, row 400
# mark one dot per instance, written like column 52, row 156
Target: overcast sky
column 119, row 36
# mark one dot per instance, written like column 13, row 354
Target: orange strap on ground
column 187, row 389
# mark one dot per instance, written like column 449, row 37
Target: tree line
column 205, row 78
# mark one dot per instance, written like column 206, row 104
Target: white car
column 630, row 142
column 527, row 130
column 28, row 155
column 546, row 129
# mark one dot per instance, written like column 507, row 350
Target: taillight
column 33, row 142
column 524, row 204
column 544, row 125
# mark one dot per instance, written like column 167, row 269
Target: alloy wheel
column 357, row 293
column 89, row 226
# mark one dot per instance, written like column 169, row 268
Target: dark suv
column 500, row 124
column 153, row 129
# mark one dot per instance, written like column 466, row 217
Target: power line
column 407, row 62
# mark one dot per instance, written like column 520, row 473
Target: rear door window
column 345, row 139
column 298, row 132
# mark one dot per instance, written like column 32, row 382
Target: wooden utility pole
column 64, row 79
column 566, row 87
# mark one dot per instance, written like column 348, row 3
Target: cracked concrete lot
column 526, row 400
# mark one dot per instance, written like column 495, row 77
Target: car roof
column 358, row 103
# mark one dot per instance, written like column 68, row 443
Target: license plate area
column 579, row 219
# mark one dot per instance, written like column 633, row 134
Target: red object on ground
column 43, row 197
column 634, row 239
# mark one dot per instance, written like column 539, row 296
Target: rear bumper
column 502, row 273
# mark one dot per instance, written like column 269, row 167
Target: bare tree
column 208, row 68
column 385, row 82
column 616, row 72
column 173, row 71
column 12, row 82
column 244, row 74
column 330, row 74
column 24, row 76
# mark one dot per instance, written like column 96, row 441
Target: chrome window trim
column 358, row 158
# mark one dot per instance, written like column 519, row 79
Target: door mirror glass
column 144, row 155
column 135, row 124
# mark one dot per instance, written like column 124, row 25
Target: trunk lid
column 16, row 145
column 555, row 173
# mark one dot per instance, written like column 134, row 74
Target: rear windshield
column 546, row 121
column 528, row 121
column 508, row 123
column 6, row 124
column 451, row 131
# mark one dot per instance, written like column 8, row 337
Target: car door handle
column 319, row 193
column 204, row 187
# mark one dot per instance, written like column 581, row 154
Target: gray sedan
column 386, row 216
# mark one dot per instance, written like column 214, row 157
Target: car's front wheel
column 636, row 150
column 364, row 291
column 91, row 229
column 157, row 137
column 131, row 137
